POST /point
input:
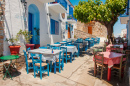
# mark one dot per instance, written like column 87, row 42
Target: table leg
column 55, row 68
column 7, row 70
column 109, row 74
column 86, row 47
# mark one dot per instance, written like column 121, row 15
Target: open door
column 69, row 32
column 30, row 24
column 90, row 29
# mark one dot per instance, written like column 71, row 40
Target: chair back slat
column 42, row 47
column 123, row 61
column 97, row 50
column 25, row 55
column 98, row 58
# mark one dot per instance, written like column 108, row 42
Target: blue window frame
column 54, row 27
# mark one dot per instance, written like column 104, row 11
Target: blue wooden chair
column 48, row 46
column 55, row 48
column 28, row 62
column 59, row 62
column 64, row 49
column 57, row 43
column 39, row 66
column 77, row 53
column 42, row 47
column 69, row 55
column 28, row 49
column 64, row 41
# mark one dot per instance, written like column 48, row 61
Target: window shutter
column 56, row 27
column 52, row 26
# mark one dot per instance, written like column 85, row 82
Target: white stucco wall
column 14, row 15
column 14, row 21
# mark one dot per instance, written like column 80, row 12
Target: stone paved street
column 77, row 73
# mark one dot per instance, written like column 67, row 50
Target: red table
column 108, row 49
column 111, row 58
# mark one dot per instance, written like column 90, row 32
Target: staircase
column 81, row 34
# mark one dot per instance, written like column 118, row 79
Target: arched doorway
column 33, row 23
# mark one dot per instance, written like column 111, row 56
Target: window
column 54, row 27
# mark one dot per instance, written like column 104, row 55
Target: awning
column 58, row 8
column 124, row 19
column 46, row 1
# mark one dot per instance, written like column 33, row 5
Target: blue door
column 30, row 23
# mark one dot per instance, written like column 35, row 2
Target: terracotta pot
column 54, row 2
column 30, row 45
column 37, row 46
column 14, row 50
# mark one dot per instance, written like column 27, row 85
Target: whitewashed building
column 49, row 21
column 125, row 19
column 123, row 33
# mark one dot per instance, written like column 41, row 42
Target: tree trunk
column 109, row 33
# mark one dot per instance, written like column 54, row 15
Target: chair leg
column 59, row 68
column 48, row 69
column 40, row 75
column 101, row 72
column 120, row 75
column 50, row 66
column 27, row 69
column 95, row 70
column 34, row 73
column 66, row 60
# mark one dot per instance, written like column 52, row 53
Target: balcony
column 59, row 6
column 71, row 19
column 46, row 1
column 124, row 17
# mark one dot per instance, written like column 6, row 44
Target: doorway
column 34, row 23
column 90, row 29
column 69, row 35
column 30, row 23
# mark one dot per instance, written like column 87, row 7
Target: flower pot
column 14, row 50
column 30, row 45
column 54, row 2
column 37, row 46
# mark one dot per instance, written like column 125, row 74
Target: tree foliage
column 106, row 13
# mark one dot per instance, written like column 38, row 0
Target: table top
column 45, row 51
column 9, row 57
column 69, row 46
column 121, row 45
column 56, row 45
column 111, row 55
column 63, row 42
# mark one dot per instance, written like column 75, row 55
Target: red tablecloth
column 111, row 58
column 108, row 49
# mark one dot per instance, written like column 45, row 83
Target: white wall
column 14, row 15
column 14, row 21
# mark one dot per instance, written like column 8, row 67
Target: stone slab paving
column 78, row 73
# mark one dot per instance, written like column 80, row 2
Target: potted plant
column 14, row 49
column 27, row 36
column 37, row 45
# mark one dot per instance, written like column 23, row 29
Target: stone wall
column 2, row 26
column 98, row 29
column 82, row 34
